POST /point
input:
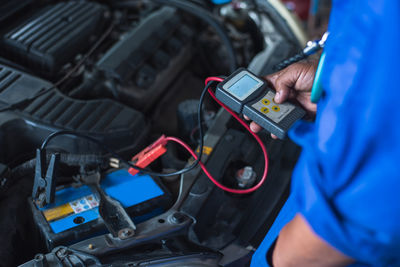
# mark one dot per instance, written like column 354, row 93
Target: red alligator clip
column 145, row 157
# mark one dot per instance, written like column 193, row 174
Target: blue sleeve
column 346, row 183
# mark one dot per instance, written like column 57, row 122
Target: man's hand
column 293, row 83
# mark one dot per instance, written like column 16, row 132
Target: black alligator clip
column 114, row 216
column 45, row 182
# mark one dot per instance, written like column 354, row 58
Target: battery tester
column 249, row 95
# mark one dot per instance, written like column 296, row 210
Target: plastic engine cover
column 54, row 35
column 148, row 58
column 118, row 126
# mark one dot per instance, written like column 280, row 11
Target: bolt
column 125, row 233
column 178, row 218
column 61, row 252
column 39, row 260
column 38, row 257
column 91, row 246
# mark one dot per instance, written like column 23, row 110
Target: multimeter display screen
column 243, row 87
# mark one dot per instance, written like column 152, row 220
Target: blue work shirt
column 347, row 181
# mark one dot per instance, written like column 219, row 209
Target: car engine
column 87, row 85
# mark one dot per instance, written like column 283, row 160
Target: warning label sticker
column 84, row 204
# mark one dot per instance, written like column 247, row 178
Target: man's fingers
column 281, row 82
column 246, row 118
column 282, row 87
column 255, row 127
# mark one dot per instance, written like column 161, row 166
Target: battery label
column 58, row 212
column 84, row 204
column 74, row 207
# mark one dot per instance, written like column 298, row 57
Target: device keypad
column 267, row 106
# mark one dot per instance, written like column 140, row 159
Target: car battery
column 74, row 215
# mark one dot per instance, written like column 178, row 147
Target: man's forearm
column 298, row 245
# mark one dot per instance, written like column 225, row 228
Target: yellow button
column 265, row 101
column 276, row 108
column 264, row 110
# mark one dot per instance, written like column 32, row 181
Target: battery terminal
column 246, row 177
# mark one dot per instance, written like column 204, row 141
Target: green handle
column 316, row 91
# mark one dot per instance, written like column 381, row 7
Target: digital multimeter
column 249, row 95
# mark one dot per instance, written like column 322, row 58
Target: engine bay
column 87, row 85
